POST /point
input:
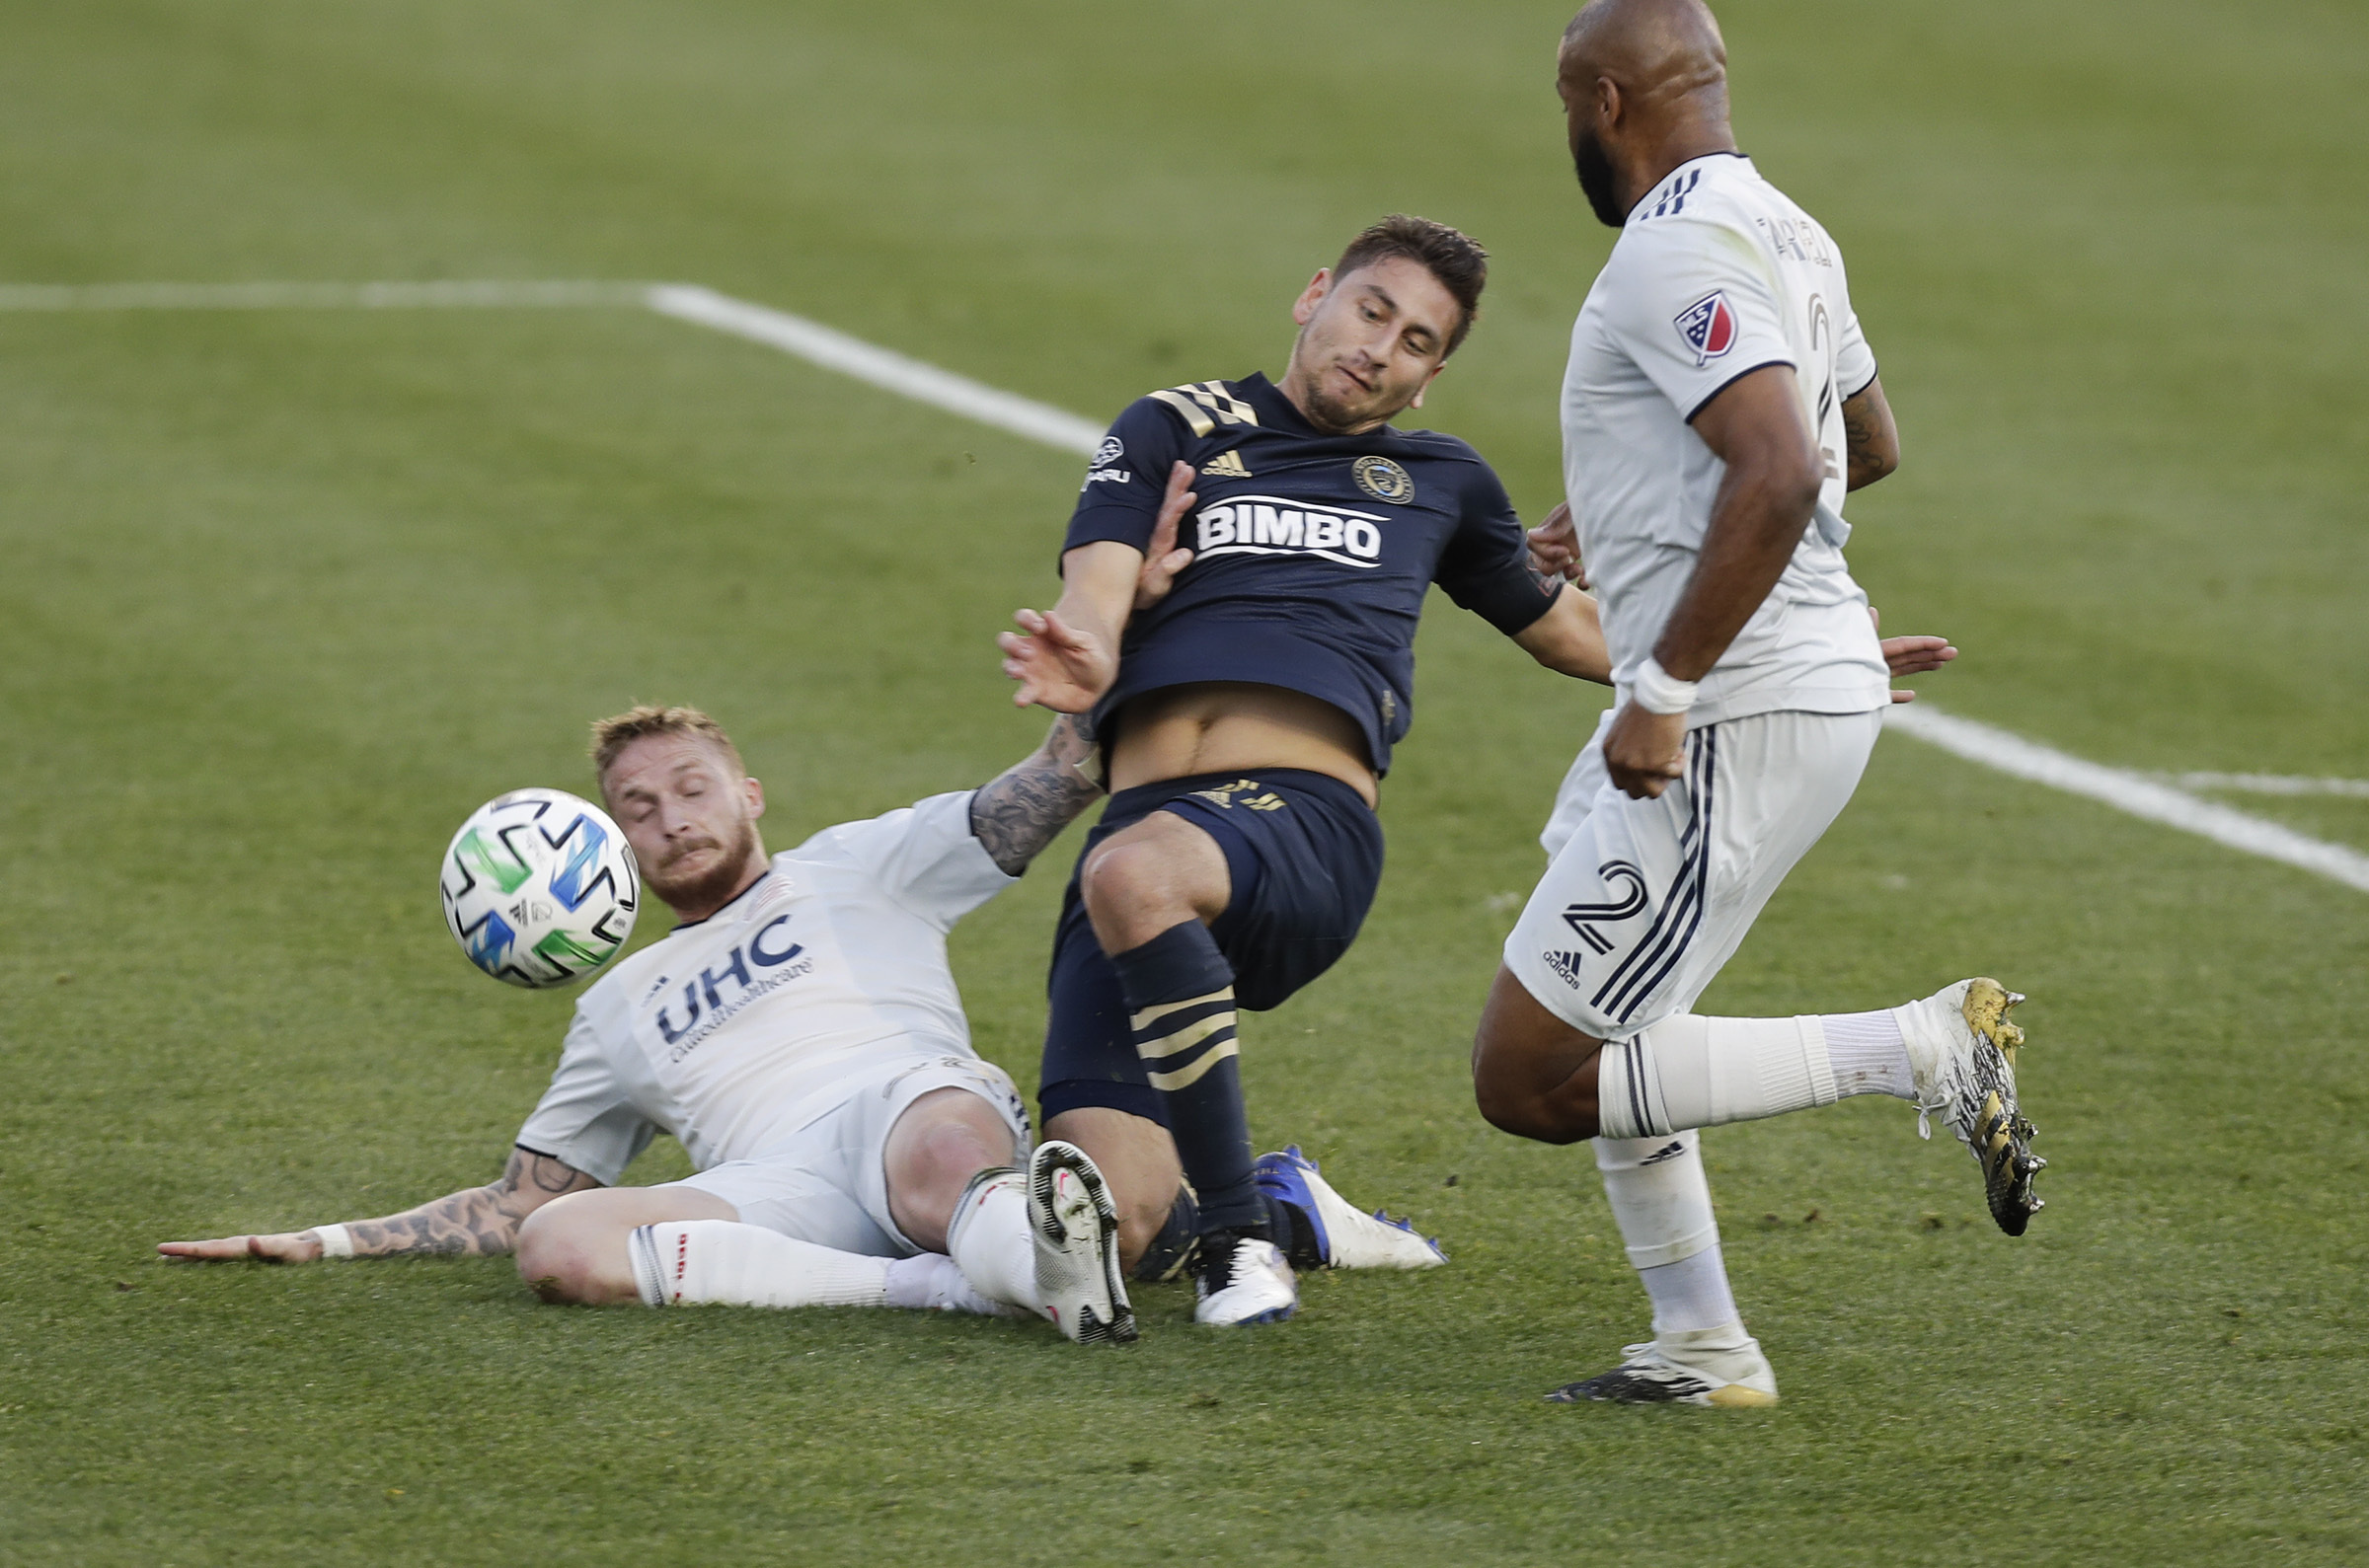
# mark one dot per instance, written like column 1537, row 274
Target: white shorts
column 828, row 1181
column 1646, row 900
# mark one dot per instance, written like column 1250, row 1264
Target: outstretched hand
column 1554, row 547
column 288, row 1247
column 1057, row 666
column 1164, row 560
column 1911, row 655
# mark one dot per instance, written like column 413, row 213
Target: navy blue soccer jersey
column 1312, row 552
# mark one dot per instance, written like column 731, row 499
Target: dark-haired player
column 1245, row 722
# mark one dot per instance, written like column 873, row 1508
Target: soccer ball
column 540, row 887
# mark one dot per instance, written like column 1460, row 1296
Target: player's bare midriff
column 1235, row 726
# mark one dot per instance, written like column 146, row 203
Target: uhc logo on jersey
column 1270, row 525
column 1708, row 327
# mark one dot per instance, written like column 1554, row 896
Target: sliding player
column 800, row 1033
column 1246, row 720
column 1719, row 402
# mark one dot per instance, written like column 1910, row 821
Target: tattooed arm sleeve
column 1025, row 808
column 476, row 1221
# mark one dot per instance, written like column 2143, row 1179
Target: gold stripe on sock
column 1151, row 1016
column 1186, row 1076
column 1183, row 1039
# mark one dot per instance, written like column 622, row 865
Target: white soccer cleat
column 1075, row 1228
column 1681, row 1368
column 1961, row 1055
column 1347, row 1236
column 1241, row 1281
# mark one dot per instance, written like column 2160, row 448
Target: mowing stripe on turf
column 2137, row 794
column 491, row 294
column 2133, row 792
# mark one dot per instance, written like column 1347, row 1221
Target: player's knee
column 556, row 1261
column 1512, row 1104
column 1129, row 894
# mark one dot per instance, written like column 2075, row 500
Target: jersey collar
column 1275, row 411
column 745, row 893
column 1279, row 413
column 1663, row 181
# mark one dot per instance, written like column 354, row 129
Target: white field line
column 2133, row 792
column 2273, row 784
column 2142, row 796
column 880, row 367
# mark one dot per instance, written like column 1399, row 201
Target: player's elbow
column 1792, row 483
column 1869, row 467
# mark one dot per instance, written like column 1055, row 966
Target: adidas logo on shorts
column 1566, row 966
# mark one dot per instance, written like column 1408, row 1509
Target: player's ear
column 754, row 793
column 1417, row 400
column 1312, row 296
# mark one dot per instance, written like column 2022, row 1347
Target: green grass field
column 288, row 593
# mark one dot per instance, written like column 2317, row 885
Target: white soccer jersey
column 738, row 1030
column 1715, row 274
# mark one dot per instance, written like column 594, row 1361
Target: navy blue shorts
column 1305, row 852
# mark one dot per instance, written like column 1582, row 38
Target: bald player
column 1719, row 404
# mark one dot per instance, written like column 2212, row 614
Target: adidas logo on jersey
column 1226, row 465
column 1271, row 525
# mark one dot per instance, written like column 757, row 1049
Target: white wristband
column 1657, row 691
column 336, row 1240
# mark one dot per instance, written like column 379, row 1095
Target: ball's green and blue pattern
column 540, row 888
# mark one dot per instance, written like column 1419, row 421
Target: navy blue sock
column 1173, row 1250
column 1179, row 993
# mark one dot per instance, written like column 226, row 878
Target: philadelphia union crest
column 1384, row 479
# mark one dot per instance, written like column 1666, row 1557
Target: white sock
column 1691, row 1294
column 722, row 1262
column 1868, row 1055
column 1696, row 1071
column 990, row 1240
column 932, row 1282
column 1662, row 1201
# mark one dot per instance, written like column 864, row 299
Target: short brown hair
column 1448, row 255
column 610, row 736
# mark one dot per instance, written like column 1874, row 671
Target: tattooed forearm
column 1022, row 809
column 1869, row 439
column 476, row 1221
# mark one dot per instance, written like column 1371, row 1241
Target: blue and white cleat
column 1346, row 1236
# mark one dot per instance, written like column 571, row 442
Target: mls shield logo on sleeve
column 1708, row 327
